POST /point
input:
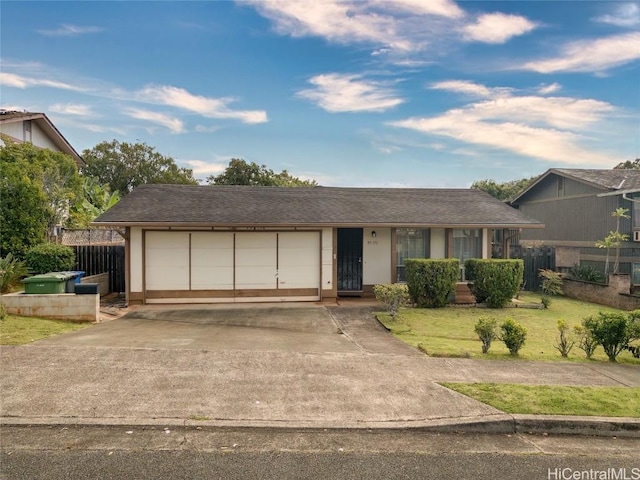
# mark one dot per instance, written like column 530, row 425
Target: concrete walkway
column 375, row 382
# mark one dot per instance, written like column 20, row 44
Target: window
column 467, row 244
column 411, row 243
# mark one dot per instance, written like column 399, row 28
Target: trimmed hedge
column 495, row 282
column 431, row 282
column 50, row 257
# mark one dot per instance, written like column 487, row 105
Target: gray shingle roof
column 608, row 179
column 310, row 206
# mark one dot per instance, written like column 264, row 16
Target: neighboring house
column 576, row 207
column 242, row 244
column 37, row 129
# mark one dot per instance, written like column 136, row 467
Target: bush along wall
column 495, row 282
column 50, row 257
column 431, row 282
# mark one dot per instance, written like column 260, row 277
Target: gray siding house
column 206, row 244
column 576, row 207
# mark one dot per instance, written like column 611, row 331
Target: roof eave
column 314, row 225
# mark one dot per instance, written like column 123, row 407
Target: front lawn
column 554, row 400
column 15, row 330
column 449, row 331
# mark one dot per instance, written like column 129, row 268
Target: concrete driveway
column 304, row 328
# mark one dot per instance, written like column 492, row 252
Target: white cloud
column 591, row 55
column 67, row 30
column 547, row 89
column 72, row 109
column 19, row 81
column 203, row 168
column 173, row 124
column 462, row 86
column 205, row 106
column 497, row 28
column 625, row 15
column 336, row 92
column 401, row 25
column 547, row 128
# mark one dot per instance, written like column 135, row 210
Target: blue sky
column 405, row 93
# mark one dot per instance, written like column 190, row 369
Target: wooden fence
column 95, row 259
column 534, row 259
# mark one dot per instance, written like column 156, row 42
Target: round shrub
column 50, row 257
column 431, row 282
column 495, row 282
column 513, row 335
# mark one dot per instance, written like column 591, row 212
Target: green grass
column 554, row 400
column 448, row 332
column 15, row 330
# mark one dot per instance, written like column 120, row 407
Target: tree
column 628, row 165
column 37, row 186
column 614, row 239
column 96, row 199
column 239, row 172
column 504, row 190
column 123, row 166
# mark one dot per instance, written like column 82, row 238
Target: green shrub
column 614, row 331
column 50, row 257
column 565, row 344
column 12, row 271
column 393, row 296
column 586, row 273
column 586, row 342
column 495, row 282
column 431, row 282
column 485, row 328
column 513, row 335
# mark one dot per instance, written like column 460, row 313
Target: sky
column 378, row 93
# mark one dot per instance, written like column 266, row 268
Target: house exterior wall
column 438, row 244
column 376, row 256
column 36, row 136
column 13, row 129
column 41, row 139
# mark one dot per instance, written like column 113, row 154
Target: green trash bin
column 46, row 283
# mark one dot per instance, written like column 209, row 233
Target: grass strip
column 16, row 330
column 554, row 400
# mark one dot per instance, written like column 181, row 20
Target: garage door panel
column 299, row 259
column 167, row 260
column 256, row 277
column 256, row 260
column 212, row 261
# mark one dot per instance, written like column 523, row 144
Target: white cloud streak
column 547, row 128
column 462, row 86
column 625, row 15
column 19, row 81
column 173, row 124
column 67, row 30
column 72, row 109
column 596, row 55
column 548, row 89
column 336, row 92
column 206, row 106
column 497, row 28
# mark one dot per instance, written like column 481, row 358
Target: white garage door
column 231, row 266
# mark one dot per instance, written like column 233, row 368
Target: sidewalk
column 392, row 389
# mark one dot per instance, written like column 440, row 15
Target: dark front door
column 349, row 260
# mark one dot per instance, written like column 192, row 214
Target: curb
column 496, row 424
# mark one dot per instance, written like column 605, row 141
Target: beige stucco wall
column 135, row 252
column 438, row 243
column 37, row 137
column 376, row 256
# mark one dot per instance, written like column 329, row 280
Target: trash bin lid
column 51, row 277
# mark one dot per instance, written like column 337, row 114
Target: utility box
column 87, row 288
column 46, row 283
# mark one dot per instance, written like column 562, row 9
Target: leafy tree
column 239, row 172
column 504, row 190
column 628, row 165
column 96, row 199
column 123, row 166
column 37, row 186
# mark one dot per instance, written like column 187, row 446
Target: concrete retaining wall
column 102, row 279
column 66, row 306
column 615, row 294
